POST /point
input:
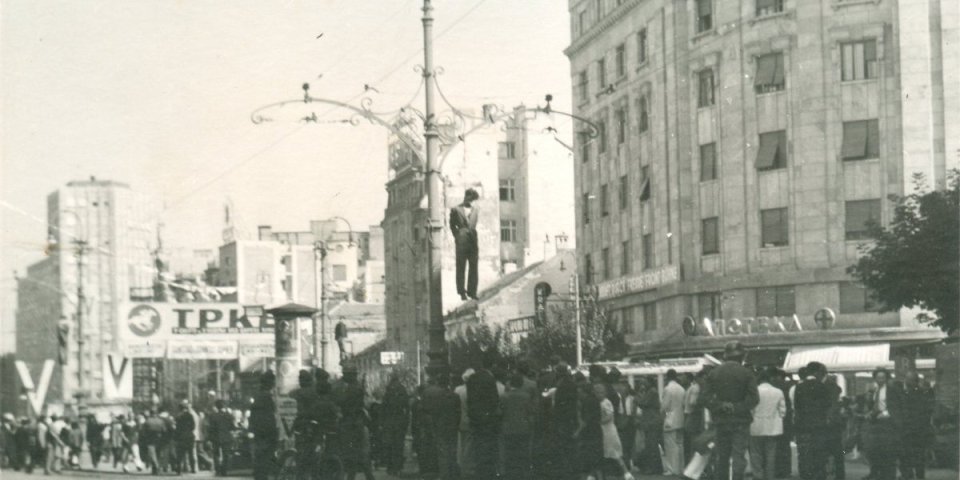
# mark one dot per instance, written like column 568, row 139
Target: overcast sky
column 159, row 95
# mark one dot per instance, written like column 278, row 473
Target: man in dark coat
column 263, row 426
column 463, row 223
column 912, row 407
column 221, row 437
column 305, row 425
column 441, row 411
column 185, row 439
column 354, row 435
column 395, row 417
column 154, row 429
column 730, row 392
column 483, row 412
column 812, row 404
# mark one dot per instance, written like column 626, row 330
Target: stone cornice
column 600, row 27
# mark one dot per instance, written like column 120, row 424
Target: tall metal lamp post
column 320, row 295
column 430, row 165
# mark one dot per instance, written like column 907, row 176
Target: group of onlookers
column 183, row 441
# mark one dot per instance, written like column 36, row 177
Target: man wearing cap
column 730, row 392
column 463, row 223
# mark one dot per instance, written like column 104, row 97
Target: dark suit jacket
column 464, row 227
column 483, row 402
column 730, row 392
column 812, row 403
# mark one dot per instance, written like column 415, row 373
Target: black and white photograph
column 480, row 239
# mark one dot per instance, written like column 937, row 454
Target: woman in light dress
column 612, row 448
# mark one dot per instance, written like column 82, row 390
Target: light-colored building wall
column 904, row 97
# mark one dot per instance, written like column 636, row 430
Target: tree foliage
column 480, row 345
column 600, row 338
column 914, row 261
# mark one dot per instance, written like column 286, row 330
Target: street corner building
column 741, row 148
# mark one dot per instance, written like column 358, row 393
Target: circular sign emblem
column 825, row 318
column 689, row 326
column 143, row 321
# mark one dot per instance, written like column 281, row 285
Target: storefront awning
column 840, row 358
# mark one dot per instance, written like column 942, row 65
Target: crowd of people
column 508, row 421
column 157, row 440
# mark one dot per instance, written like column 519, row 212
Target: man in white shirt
column 672, row 408
column 766, row 428
column 882, row 447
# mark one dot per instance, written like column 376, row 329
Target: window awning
column 840, row 358
column 645, row 190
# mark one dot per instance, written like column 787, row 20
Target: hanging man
column 463, row 223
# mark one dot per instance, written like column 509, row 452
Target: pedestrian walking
column 612, row 464
column 395, row 420
column 730, row 392
column 836, row 424
column 673, row 423
column 812, row 404
column 94, row 439
column 767, row 427
column 8, row 444
column 221, row 438
column 74, row 444
column 483, row 411
column 263, row 426
column 185, row 440
column 649, row 461
column 693, row 423
column 590, row 435
column 912, row 411
column 564, row 425
column 27, row 445
column 354, row 435
column 442, row 410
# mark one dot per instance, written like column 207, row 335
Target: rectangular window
column 588, row 270
column 583, row 84
column 602, row 73
column 769, row 77
column 605, row 258
column 644, row 119
column 860, row 214
column 776, row 302
column 625, row 258
column 711, row 238
column 621, row 118
column 709, row 306
column 604, row 201
column 621, row 60
column 708, row 162
column 649, row 317
column 507, row 150
column 584, row 139
column 624, row 193
column 582, row 20
column 773, row 227
column 585, row 205
column 706, row 84
column 859, row 60
column 855, row 298
column 508, row 230
column 704, row 15
column 645, row 183
column 508, row 190
column 339, row 273
column 861, row 140
column 769, row 7
column 772, row 153
column 647, row 251
column 642, row 46
column 626, row 316
column 602, row 136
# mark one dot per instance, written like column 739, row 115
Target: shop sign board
column 735, row 326
column 647, row 280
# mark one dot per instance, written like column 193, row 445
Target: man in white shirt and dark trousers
column 881, row 440
column 767, row 427
column 672, row 409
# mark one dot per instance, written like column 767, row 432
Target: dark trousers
column 783, row 467
column 911, row 460
column 263, row 463
column 221, row 454
column 186, row 458
column 486, row 454
column 763, row 452
column 812, row 455
column 835, row 453
column 516, row 457
column 732, row 443
column 628, row 437
column 447, row 456
column 393, row 446
column 467, row 255
column 152, row 460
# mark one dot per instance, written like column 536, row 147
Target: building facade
column 744, row 146
column 525, row 213
column 118, row 226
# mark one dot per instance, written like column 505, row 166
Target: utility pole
column 438, row 345
column 576, row 296
column 320, row 318
column 81, row 250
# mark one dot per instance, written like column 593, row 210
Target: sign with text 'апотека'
column 192, row 330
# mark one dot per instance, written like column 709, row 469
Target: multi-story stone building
column 743, row 147
column 524, row 176
column 118, row 226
